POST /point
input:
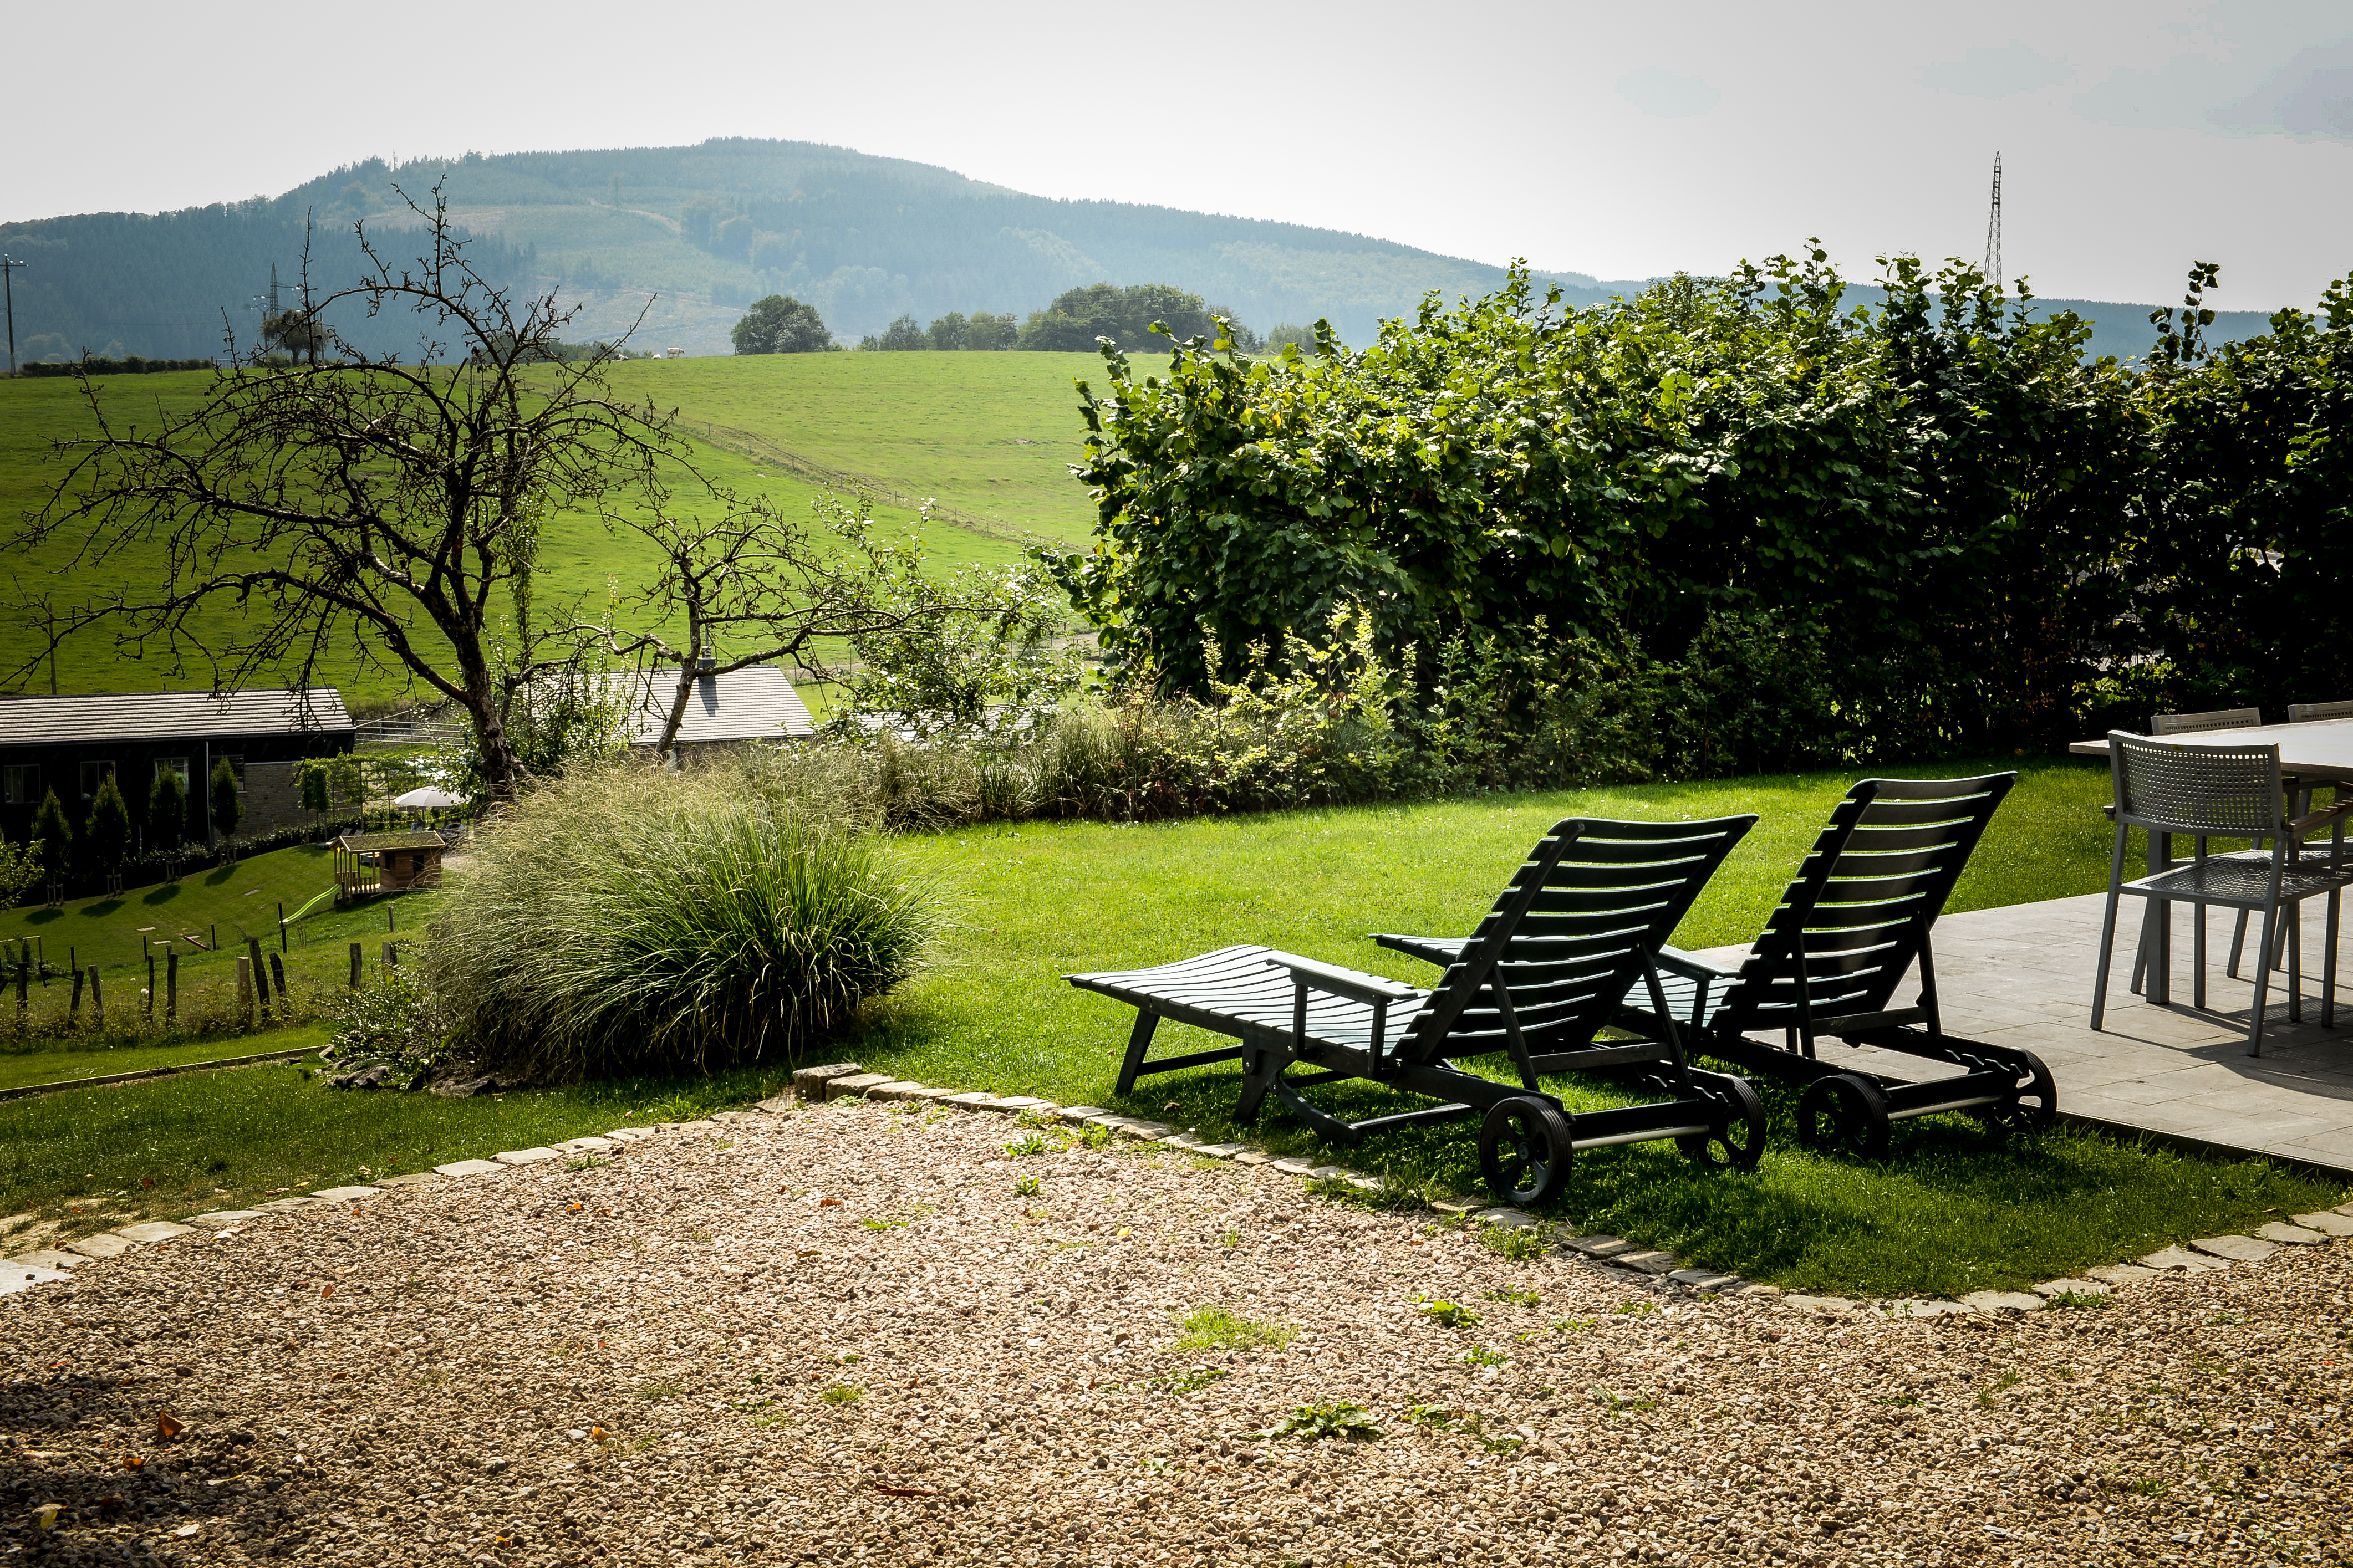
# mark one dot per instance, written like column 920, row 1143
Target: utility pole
column 8, row 287
column 1993, row 229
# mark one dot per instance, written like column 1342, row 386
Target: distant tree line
column 1079, row 318
column 131, row 364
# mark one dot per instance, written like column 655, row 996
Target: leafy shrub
column 396, row 1019
column 623, row 920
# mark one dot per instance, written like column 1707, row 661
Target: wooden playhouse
column 369, row 863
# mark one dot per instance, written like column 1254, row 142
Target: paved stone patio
column 2023, row 976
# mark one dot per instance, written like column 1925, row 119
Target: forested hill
column 686, row 236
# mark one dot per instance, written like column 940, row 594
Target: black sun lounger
column 1849, row 927
column 1545, row 973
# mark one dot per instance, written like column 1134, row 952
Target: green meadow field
column 989, row 436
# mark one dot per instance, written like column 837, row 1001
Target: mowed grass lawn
column 1949, row 1211
column 929, row 430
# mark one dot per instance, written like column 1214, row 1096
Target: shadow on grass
column 1955, row 1206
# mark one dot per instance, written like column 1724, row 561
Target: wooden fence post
column 171, row 983
column 74, row 1007
column 356, row 966
column 24, row 986
column 97, row 1002
column 281, row 927
column 260, row 976
column 278, row 975
column 151, row 980
column 391, row 957
column 245, row 989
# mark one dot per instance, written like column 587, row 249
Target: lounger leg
column 1260, row 1067
column 1139, row 1039
column 2263, row 986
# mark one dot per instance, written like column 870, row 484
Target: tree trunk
column 503, row 774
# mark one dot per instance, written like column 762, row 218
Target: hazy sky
column 1624, row 140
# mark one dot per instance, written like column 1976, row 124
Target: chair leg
column 2262, row 985
column 2198, row 956
column 2107, row 945
column 2328, row 966
column 2238, row 944
column 2294, row 938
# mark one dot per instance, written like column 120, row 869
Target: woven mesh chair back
column 1850, row 924
column 1570, row 935
column 2220, row 792
column 2191, row 723
column 2307, row 712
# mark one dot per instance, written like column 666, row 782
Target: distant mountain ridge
column 674, row 241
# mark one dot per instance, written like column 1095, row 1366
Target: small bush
column 392, row 1019
column 621, row 920
column 1313, row 1423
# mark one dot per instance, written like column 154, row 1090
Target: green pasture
column 934, row 427
column 1953, row 1210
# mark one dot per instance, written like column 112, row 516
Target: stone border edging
column 1629, row 1262
column 27, row 1091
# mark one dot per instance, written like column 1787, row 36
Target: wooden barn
column 369, row 863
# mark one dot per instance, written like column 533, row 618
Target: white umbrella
column 427, row 799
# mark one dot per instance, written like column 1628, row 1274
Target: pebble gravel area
column 861, row 1334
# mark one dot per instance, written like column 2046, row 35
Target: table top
column 2322, row 748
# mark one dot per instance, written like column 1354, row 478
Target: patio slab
column 2022, row 975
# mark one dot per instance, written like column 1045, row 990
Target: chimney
column 707, row 666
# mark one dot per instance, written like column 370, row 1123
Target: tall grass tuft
column 622, row 919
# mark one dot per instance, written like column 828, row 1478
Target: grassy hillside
column 987, row 435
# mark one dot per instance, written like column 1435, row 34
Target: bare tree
column 361, row 505
column 756, row 587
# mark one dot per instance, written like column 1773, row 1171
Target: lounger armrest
column 1691, row 966
column 1439, row 950
column 1341, row 983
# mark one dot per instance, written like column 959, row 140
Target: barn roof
column 170, row 716
column 755, row 704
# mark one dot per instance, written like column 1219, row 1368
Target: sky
column 1624, row 140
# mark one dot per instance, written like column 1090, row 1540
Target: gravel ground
column 855, row 1334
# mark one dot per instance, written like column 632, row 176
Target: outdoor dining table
column 2317, row 752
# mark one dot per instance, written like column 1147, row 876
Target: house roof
column 368, row 843
column 755, row 704
column 169, row 716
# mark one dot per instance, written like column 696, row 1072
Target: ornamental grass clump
column 622, row 920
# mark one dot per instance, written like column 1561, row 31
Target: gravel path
column 841, row 1334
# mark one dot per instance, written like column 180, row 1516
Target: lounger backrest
column 1592, row 901
column 1851, row 922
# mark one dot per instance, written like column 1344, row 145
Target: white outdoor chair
column 2218, row 792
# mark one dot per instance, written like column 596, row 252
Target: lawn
column 989, row 439
column 229, row 904
column 67, row 1064
column 1950, row 1211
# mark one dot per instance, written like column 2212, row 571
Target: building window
column 20, row 785
column 178, row 765
column 94, row 774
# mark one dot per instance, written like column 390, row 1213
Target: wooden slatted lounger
column 1852, row 924
column 1543, row 975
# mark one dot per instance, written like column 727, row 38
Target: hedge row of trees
column 174, row 817
column 1926, row 526
column 1072, row 323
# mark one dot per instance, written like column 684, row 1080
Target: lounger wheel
column 1525, row 1148
column 1737, row 1142
column 1846, row 1114
column 2032, row 1106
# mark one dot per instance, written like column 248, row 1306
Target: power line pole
column 8, row 287
column 1993, row 229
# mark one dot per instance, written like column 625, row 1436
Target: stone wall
column 271, row 799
